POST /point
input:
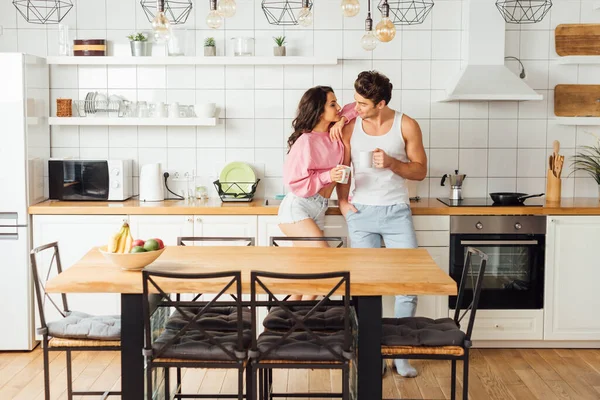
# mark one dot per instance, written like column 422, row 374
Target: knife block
column 553, row 188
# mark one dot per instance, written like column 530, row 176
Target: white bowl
column 205, row 110
column 131, row 261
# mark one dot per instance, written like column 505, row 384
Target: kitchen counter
column 425, row 206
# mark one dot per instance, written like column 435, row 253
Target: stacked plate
column 237, row 181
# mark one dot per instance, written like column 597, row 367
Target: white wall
column 499, row 145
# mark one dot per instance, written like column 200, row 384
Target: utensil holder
column 553, row 188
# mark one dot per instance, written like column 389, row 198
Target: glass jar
column 243, row 46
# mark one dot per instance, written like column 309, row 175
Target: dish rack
column 236, row 191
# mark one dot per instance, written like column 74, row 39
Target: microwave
column 90, row 180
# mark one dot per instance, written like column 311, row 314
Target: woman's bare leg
column 305, row 228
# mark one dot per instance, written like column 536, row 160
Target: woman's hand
column 337, row 173
column 335, row 132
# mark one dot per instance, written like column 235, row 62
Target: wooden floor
column 495, row 374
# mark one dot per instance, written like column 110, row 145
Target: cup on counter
column 174, row 110
column 365, row 159
column 205, row 110
column 345, row 174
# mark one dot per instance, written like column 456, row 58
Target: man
column 380, row 203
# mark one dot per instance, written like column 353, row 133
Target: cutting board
column 577, row 39
column 577, row 100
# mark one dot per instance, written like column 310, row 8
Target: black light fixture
column 43, row 11
column 177, row 11
column 407, row 12
column 523, row 11
column 287, row 12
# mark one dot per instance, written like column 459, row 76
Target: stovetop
column 481, row 202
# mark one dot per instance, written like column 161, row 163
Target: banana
column 128, row 240
column 123, row 239
column 116, row 242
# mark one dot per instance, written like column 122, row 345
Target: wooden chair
column 440, row 339
column 104, row 333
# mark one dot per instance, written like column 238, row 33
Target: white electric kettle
column 151, row 183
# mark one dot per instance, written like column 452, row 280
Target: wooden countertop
column 425, row 206
column 373, row 272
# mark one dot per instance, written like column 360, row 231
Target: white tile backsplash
column 256, row 104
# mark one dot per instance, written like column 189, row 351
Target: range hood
column 485, row 77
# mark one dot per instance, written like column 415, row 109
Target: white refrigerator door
column 16, row 290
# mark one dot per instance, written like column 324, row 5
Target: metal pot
column 210, row 51
column 456, row 181
column 279, row 51
column 141, row 49
column 510, row 198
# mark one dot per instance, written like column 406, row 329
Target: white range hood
column 485, row 77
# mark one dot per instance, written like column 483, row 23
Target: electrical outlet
column 175, row 175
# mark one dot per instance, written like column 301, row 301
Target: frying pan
column 511, row 198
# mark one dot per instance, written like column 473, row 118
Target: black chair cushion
column 300, row 346
column 420, row 331
column 194, row 345
column 325, row 318
column 222, row 319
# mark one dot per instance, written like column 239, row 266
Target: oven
column 515, row 245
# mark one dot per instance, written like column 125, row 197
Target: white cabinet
column 335, row 225
column 165, row 227
column 505, row 324
column 571, row 300
column 225, row 226
column 76, row 235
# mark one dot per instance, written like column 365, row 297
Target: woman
column 312, row 166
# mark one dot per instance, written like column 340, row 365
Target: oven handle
column 498, row 242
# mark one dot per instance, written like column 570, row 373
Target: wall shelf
column 114, row 121
column 579, row 60
column 127, row 60
column 589, row 121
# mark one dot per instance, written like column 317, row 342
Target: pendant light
column 161, row 27
column 305, row 16
column 350, row 8
column 407, row 12
column 227, row 8
column 385, row 29
column 214, row 19
column 43, row 11
column 369, row 40
column 523, row 11
column 177, row 11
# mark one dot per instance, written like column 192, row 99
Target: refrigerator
column 24, row 151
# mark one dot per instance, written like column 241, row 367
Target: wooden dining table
column 373, row 273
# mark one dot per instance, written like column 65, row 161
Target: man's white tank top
column 379, row 186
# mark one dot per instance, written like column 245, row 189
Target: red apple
column 137, row 242
column 161, row 245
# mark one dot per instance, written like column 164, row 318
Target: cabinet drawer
column 431, row 223
column 433, row 238
column 506, row 324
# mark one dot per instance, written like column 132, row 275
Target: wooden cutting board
column 577, row 39
column 577, row 100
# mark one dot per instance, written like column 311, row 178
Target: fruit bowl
column 131, row 261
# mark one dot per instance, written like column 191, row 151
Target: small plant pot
column 210, row 51
column 141, row 49
column 279, row 51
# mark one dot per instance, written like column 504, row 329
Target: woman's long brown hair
column 310, row 110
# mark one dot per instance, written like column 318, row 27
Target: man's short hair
column 374, row 86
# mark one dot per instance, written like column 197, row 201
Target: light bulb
column 385, row 30
column 350, row 8
column 161, row 27
column 305, row 17
column 227, row 8
column 214, row 19
column 369, row 41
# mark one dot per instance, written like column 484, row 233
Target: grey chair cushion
column 78, row 325
column 326, row 318
column 222, row 319
column 194, row 345
column 420, row 331
column 300, row 346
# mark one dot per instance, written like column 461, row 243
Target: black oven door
column 514, row 274
column 78, row 180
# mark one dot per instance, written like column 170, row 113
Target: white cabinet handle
column 496, row 326
column 198, row 219
column 190, row 220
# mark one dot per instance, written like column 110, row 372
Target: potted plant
column 588, row 160
column 140, row 47
column 210, row 48
column 279, row 50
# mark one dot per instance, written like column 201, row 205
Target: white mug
column 205, row 110
column 345, row 174
column 174, row 110
column 365, row 159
